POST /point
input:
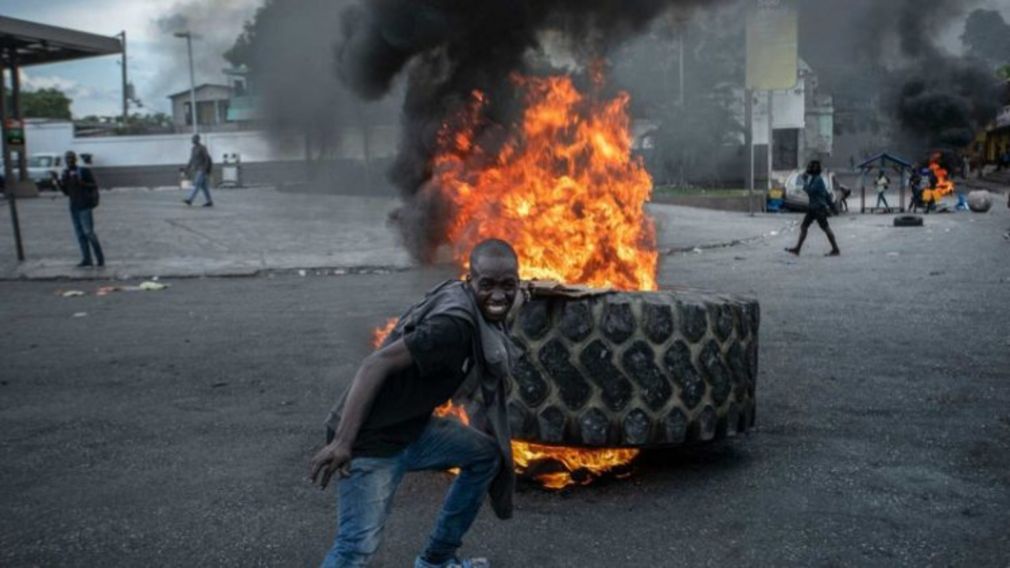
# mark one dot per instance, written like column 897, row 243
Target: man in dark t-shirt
column 386, row 428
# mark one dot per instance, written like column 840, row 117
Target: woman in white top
column 882, row 184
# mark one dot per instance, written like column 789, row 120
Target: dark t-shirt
column 442, row 349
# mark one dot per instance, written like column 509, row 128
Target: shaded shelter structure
column 884, row 161
column 24, row 43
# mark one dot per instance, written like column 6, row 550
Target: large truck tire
column 634, row 369
column 908, row 221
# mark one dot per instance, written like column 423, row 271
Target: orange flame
column 580, row 466
column 566, row 191
column 452, row 411
column 569, row 196
column 944, row 185
column 380, row 333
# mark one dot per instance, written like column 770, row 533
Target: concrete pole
column 749, row 142
column 771, row 136
column 126, row 93
column 16, row 112
column 192, row 81
column 680, row 101
column 8, row 168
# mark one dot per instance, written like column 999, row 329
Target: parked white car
column 41, row 168
column 795, row 199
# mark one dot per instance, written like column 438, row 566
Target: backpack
column 93, row 195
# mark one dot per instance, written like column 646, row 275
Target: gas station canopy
column 30, row 43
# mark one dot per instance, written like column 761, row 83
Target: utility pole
column 771, row 136
column 192, row 77
column 681, row 31
column 11, row 181
column 126, row 90
column 748, row 96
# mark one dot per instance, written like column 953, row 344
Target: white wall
column 174, row 149
column 48, row 136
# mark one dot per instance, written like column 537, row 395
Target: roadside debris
column 151, row 286
column 80, row 314
column 71, row 293
column 145, row 286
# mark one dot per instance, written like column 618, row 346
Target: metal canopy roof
column 39, row 43
column 882, row 159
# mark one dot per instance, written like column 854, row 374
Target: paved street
column 174, row 427
column 152, row 233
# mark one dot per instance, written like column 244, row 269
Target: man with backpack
column 199, row 168
column 818, row 208
column 78, row 183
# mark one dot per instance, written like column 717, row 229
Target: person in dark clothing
column 78, row 183
column 383, row 427
column 818, row 208
column 915, row 184
column 198, row 169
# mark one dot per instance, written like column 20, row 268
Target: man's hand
column 333, row 458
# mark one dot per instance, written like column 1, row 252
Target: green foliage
column 45, row 103
column 243, row 51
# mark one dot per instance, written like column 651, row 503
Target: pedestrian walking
column 882, row 183
column 383, row 426
column 199, row 169
column 818, row 209
column 78, row 183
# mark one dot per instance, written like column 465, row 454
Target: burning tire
column 634, row 369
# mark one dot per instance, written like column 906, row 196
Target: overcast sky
column 157, row 61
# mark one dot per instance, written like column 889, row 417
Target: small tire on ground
column 635, row 369
column 908, row 221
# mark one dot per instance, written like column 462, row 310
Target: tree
column 45, row 103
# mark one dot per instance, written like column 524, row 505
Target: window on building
column 222, row 111
column 188, row 111
column 206, row 112
column 786, row 151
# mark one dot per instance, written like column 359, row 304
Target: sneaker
column 187, row 202
column 794, row 251
column 84, row 264
column 209, row 204
column 834, row 253
column 454, row 563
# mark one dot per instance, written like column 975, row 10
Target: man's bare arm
column 371, row 375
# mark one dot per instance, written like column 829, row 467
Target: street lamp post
column 192, row 77
column 126, row 90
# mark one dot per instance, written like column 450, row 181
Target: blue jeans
column 200, row 184
column 84, row 228
column 366, row 496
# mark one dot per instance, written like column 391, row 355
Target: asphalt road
column 174, row 428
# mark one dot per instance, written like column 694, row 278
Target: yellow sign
column 772, row 44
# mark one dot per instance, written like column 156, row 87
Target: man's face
column 495, row 282
column 71, row 160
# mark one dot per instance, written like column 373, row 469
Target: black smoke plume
column 884, row 60
column 446, row 49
